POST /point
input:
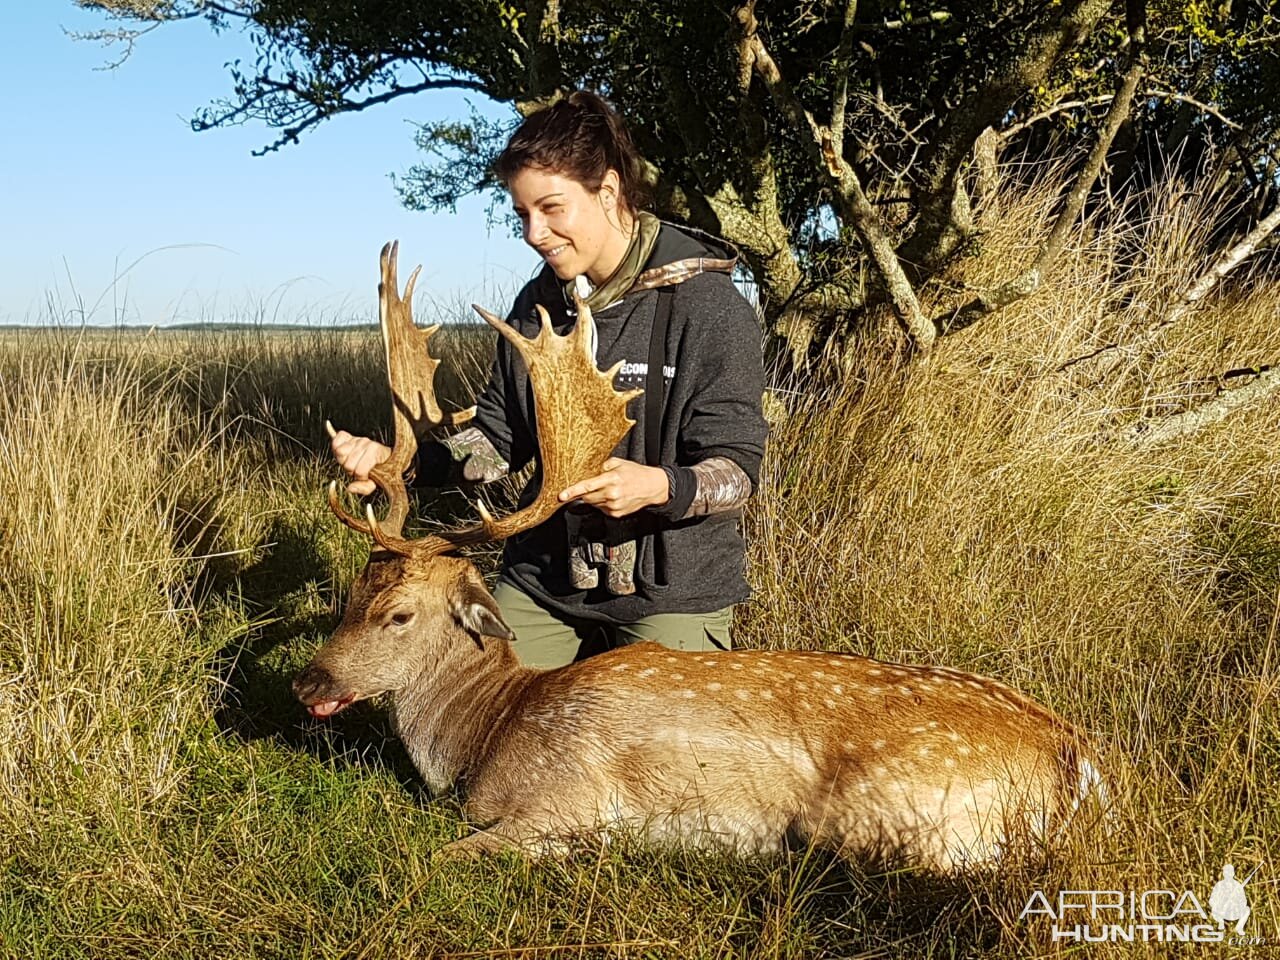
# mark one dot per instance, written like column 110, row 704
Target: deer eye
column 401, row 618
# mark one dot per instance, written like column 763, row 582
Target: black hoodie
column 714, row 382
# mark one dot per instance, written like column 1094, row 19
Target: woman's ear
column 610, row 185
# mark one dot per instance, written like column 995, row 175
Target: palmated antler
column 580, row 417
column 411, row 371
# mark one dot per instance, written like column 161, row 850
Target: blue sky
column 100, row 168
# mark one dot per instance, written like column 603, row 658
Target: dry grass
column 166, row 562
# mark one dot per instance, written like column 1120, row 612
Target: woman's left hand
column 623, row 488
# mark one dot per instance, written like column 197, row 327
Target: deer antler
column 580, row 417
column 411, row 371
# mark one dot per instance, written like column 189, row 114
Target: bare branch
column 321, row 109
column 852, row 200
column 1224, row 265
column 1009, row 132
column 1149, row 433
column 844, row 56
column 1031, row 279
column 1192, row 296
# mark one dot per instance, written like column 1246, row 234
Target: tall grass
column 166, row 563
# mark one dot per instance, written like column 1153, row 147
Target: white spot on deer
column 964, row 751
column 906, row 691
column 677, row 677
column 829, row 704
column 953, row 736
column 873, row 672
column 622, row 666
column 671, row 660
column 949, row 763
column 735, row 666
column 878, row 745
column 918, row 729
column 766, row 694
column 801, row 685
column 648, row 671
column 806, row 705
column 864, row 787
column 743, row 694
column 924, row 751
column 688, row 694
column 713, row 687
column 837, row 689
column 933, row 724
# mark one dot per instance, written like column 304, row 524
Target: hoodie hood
column 684, row 252
column 662, row 254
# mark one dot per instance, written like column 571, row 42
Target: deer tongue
column 327, row 708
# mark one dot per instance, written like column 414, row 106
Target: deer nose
column 308, row 684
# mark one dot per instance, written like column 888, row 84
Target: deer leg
column 501, row 836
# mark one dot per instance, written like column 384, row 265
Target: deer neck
column 450, row 715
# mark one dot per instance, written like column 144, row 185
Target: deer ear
column 474, row 607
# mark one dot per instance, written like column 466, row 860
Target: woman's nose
column 535, row 228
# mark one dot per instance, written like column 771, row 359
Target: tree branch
column 844, row 56
column 1031, row 279
column 1196, row 292
column 852, row 200
column 943, row 223
column 321, row 109
column 1148, row 433
column 1225, row 264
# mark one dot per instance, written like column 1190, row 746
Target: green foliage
column 915, row 86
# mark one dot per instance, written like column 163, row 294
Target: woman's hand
column 357, row 456
column 623, row 488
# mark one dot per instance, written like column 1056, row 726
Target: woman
column 650, row 548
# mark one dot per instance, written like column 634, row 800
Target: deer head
column 414, row 602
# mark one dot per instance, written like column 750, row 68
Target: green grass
column 167, row 563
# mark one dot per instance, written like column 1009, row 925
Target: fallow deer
column 740, row 750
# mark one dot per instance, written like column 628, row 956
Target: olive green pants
column 544, row 639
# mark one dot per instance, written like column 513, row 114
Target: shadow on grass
column 282, row 595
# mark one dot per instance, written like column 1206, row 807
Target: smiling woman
column 649, row 549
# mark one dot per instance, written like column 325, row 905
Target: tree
column 837, row 144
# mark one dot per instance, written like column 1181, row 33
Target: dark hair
column 582, row 138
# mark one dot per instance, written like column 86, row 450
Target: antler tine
column 411, row 373
column 580, row 417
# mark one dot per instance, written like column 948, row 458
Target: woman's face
column 573, row 229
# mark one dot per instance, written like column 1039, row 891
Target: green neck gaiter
column 632, row 265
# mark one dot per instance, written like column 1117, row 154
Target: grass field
column 167, row 563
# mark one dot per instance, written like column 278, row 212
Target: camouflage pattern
column 722, row 486
column 481, row 462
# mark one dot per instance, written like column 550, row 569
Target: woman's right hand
column 357, row 456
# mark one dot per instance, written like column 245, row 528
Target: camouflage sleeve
column 722, row 485
column 481, row 462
